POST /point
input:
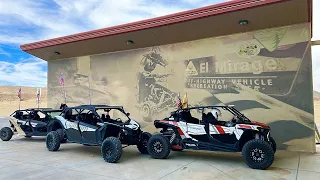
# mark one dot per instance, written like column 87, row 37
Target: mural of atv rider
column 153, row 97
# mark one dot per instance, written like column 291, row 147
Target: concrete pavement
column 28, row 158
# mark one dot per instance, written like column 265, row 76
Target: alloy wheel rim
column 145, row 142
column 257, row 155
column 157, row 147
column 108, row 151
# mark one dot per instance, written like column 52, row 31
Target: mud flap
column 13, row 121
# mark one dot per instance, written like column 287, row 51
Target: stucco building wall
column 267, row 74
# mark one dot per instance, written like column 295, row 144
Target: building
column 255, row 54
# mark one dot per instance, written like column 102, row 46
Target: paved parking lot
column 23, row 158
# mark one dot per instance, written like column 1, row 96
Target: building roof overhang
column 315, row 43
column 210, row 21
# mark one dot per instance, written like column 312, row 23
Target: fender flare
column 165, row 125
column 248, row 134
column 52, row 123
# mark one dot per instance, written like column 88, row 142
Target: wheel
column 142, row 145
column 6, row 134
column 111, row 149
column 158, row 146
column 258, row 154
column 273, row 144
column 53, row 141
column 62, row 135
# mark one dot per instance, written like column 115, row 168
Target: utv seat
column 91, row 119
column 19, row 115
column 67, row 115
column 211, row 119
column 103, row 117
column 204, row 118
column 36, row 117
column 79, row 118
column 106, row 118
column 186, row 115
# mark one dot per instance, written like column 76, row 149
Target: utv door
column 25, row 125
column 72, row 130
column 24, row 122
column 39, row 128
column 89, row 131
column 38, row 125
column 198, row 132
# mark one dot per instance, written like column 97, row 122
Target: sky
column 26, row 21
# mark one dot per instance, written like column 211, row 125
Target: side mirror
column 128, row 114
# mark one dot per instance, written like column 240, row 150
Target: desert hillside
column 10, row 93
column 316, row 95
column 316, row 98
column 9, row 100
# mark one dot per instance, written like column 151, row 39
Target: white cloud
column 27, row 72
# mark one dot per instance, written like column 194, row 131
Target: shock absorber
column 259, row 136
column 173, row 137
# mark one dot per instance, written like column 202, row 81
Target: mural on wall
column 152, row 96
column 266, row 74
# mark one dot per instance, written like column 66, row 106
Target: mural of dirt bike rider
column 149, row 89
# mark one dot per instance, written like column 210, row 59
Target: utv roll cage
column 43, row 110
column 229, row 108
column 93, row 109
